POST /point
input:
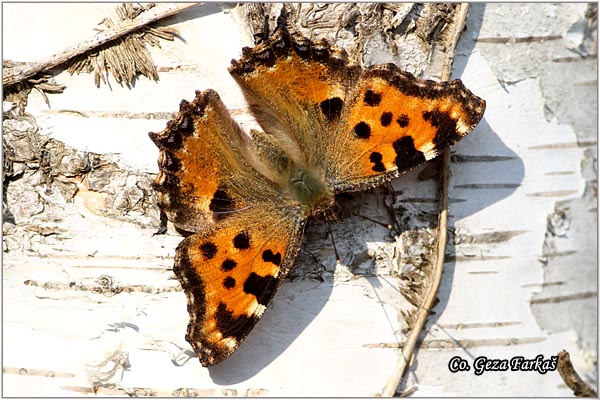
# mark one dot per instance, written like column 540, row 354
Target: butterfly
column 329, row 127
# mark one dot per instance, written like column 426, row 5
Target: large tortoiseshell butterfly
column 329, row 127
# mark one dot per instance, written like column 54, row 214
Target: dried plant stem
column 442, row 237
column 160, row 11
column 459, row 25
column 571, row 377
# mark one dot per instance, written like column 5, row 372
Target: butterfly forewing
column 396, row 122
column 231, row 272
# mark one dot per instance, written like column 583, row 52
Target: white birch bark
column 90, row 300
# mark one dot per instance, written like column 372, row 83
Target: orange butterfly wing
column 230, row 274
column 204, row 173
column 248, row 234
column 361, row 127
column 395, row 122
column 296, row 89
column 328, row 125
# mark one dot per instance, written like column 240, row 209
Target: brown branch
column 571, row 378
column 430, row 299
column 14, row 75
column 459, row 24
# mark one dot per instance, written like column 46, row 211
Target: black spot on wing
column 268, row 256
column 403, row 121
column 229, row 282
column 372, row 98
column 445, row 127
column 407, row 156
column 262, row 287
column 221, row 204
column 233, row 326
column 241, row 241
column 386, row 118
column 376, row 158
column 209, row 250
column 332, row 108
column 362, row 130
column 228, row 265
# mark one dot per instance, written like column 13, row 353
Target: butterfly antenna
column 387, row 226
column 162, row 229
column 338, row 260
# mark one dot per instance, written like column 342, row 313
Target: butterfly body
column 311, row 193
column 329, row 127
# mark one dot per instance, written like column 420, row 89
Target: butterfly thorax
column 282, row 163
column 310, row 191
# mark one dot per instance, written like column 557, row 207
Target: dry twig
column 431, row 296
column 18, row 92
column 127, row 55
column 18, row 74
column 571, row 378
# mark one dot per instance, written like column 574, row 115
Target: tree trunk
column 91, row 304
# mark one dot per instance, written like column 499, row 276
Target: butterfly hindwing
column 204, row 174
column 230, row 273
column 296, row 89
